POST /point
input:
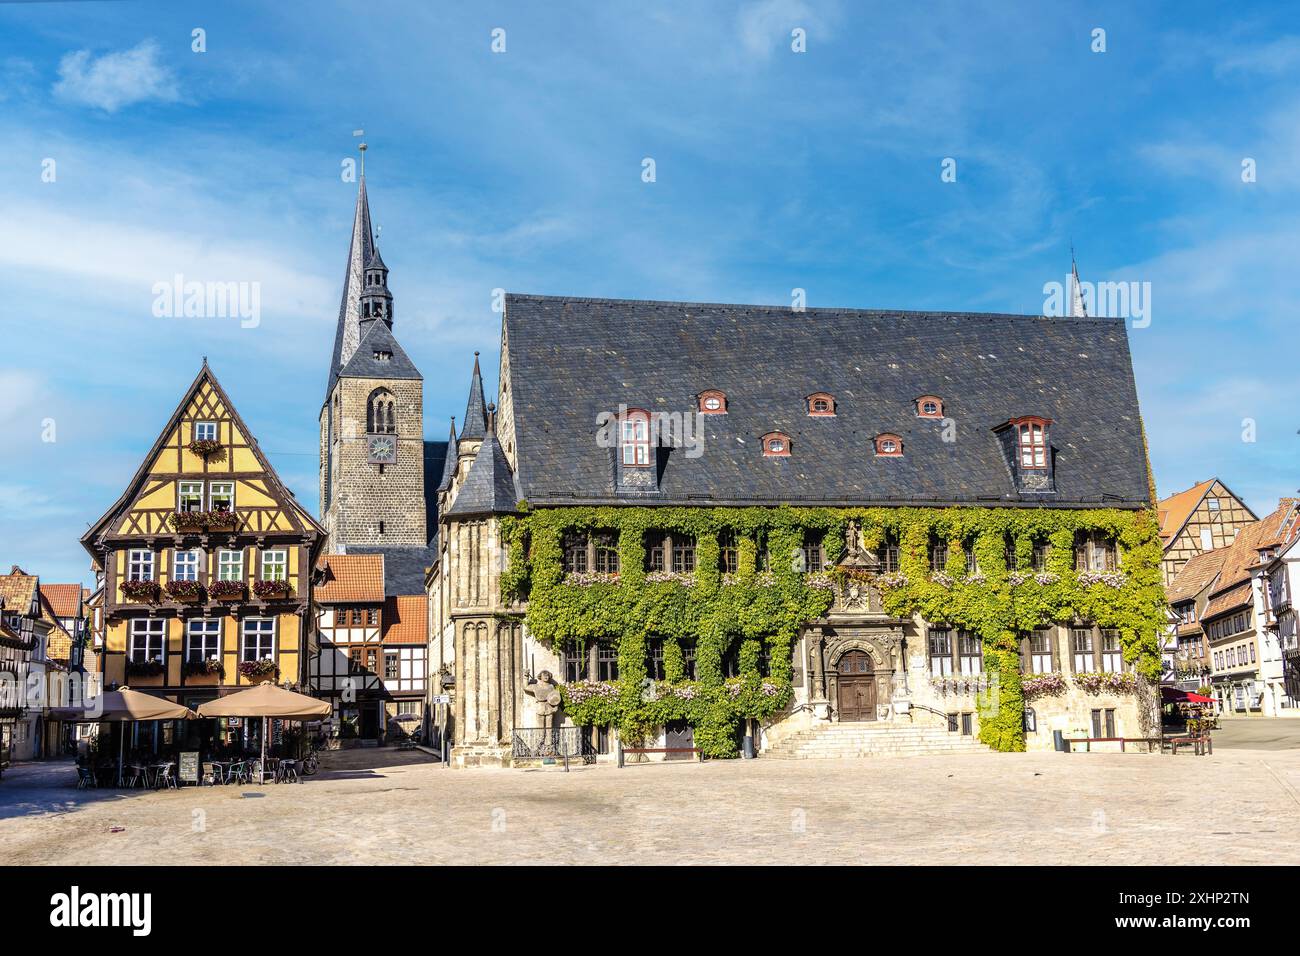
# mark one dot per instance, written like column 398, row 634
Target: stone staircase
column 873, row 740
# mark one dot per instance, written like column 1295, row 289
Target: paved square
column 390, row 807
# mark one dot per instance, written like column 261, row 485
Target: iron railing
column 542, row 743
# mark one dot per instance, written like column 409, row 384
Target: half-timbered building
column 1203, row 518
column 205, row 562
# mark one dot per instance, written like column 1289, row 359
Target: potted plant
column 221, row 519
column 140, row 590
column 259, row 670
column 226, row 590
column 186, row 592
column 188, row 520
column 270, row 589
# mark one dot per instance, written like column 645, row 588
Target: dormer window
column 776, row 445
column 713, row 402
column 821, row 404
column 929, row 406
column 383, row 356
column 889, row 446
column 634, row 439
column 1031, row 441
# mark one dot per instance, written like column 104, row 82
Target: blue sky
column 522, row 170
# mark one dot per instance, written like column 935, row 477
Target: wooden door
column 857, row 687
column 678, row 733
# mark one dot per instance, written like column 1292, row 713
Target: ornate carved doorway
column 857, row 686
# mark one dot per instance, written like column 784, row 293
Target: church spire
column 1078, row 309
column 452, row 461
column 475, row 427
column 347, row 335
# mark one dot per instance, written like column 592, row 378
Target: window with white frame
column 221, row 496
column 970, row 653
column 1112, row 657
column 1081, row 649
column 230, row 565
column 139, row 565
column 408, row 707
column 258, row 639
column 189, row 496
column 205, row 431
column 1040, row 652
column 185, row 566
column 940, row 652
column 148, row 639
column 275, row 565
column 202, row 640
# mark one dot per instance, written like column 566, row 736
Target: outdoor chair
column 287, row 772
column 166, row 777
column 237, row 773
column 210, row 776
column 86, row 779
column 136, row 776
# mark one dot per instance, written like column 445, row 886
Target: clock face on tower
column 382, row 449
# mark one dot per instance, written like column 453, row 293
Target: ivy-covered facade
column 706, row 523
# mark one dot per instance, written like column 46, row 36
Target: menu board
column 189, row 768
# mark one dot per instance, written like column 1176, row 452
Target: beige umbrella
column 121, row 706
column 266, row 701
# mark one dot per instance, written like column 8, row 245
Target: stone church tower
column 372, row 449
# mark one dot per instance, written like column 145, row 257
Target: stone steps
column 857, row 740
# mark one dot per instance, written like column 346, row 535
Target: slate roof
column 350, row 579
column 359, row 251
column 435, row 457
column 572, row 359
column 378, row 337
column 406, row 619
column 403, row 567
column 475, row 424
column 450, row 458
column 489, row 487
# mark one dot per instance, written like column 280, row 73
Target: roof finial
column 1078, row 308
column 363, row 148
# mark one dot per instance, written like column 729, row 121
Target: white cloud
column 115, row 80
column 766, row 26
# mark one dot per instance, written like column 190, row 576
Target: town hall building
column 692, row 527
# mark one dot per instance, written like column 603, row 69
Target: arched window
column 713, row 402
column 821, row 404
column 634, row 438
column 929, row 406
column 776, row 445
column 381, row 413
column 889, row 446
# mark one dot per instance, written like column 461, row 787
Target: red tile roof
column 406, row 619
column 65, row 599
column 351, row 579
column 1176, row 509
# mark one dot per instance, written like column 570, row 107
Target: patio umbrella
column 266, row 701
column 121, row 706
column 1174, row 695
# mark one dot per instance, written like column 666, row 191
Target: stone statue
column 542, row 689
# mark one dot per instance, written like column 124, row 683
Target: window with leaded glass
column 970, row 653
column 1081, row 649
column 688, row 659
column 887, row 554
column 605, row 546
column 575, row 553
column 1094, row 551
column 655, row 662
column 1040, row 556
column 655, row 552
column 574, row 661
column 1040, row 652
column 938, row 554
column 606, row 662
column 1112, row 657
column 940, row 652
column 813, row 554
column 683, row 554
column 728, row 553
column 972, row 562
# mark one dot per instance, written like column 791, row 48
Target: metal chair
column 86, row 779
column 237, row 772
column 136, row 776
column 165, row 777
column 210, row 775
column 287, row 772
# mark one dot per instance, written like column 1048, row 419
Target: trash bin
column 1058, row 741
column 748, row 750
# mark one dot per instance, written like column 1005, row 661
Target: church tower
column 372, row 421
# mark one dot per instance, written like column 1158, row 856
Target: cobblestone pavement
column 395, row 807
column 1258, row 733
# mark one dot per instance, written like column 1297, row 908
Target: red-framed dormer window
column 1031, row 440
column 821, row 404
column 776, row 445
column 634, row 438
column 889, row 446
column 929, row 406
column 713, row 402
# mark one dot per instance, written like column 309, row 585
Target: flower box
column 149, row 668
column 203, row 447
column 221, row 519
column 140, row 590
column 1038, row 685
column 271, row 589
column 186, row 592
column 261, row 670
column 1103, row 682
column 210, row 667
column 227, row 590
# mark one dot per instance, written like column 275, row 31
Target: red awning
column 1172, row 695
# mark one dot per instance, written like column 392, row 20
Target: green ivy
column 760, row 609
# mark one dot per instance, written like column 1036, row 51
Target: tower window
column 383, row 356
column 381, row 413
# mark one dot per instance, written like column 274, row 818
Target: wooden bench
column 1202, row 745
column 1122, row 741
column 655, row 750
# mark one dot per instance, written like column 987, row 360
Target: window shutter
column 1024, row 654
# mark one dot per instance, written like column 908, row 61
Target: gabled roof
column 489, row 486
column 1177, row 508
column 65, row 599
column 1198, row 573
column 574, row 360
column 1232, row 589
column 18, row 590
column 91, row 539
column 406, row 619
column 350, row 579
column 378, row 337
